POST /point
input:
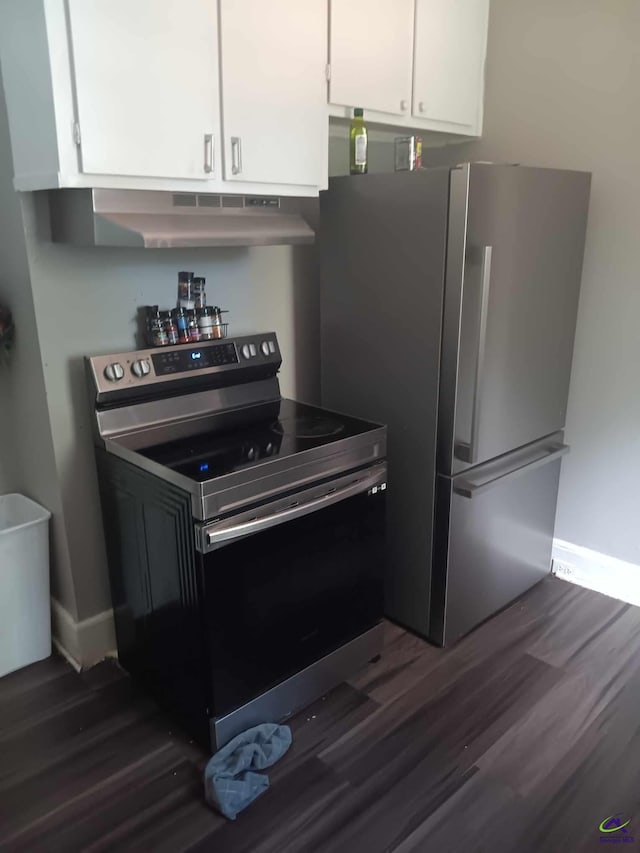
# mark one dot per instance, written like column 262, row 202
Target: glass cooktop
column 296, row 428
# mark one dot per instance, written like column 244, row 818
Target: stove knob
column 246, row 352
column 264, row 346
column 114, row 372
column 141, row 368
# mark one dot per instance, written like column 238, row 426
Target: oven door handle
column 227, row 530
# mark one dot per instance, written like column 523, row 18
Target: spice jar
column 185, row 290
column 198, row 290
column 169, row 326
column 218, row 329
column 192, row 327
column 181, row 321
column 156, row 334
column 205, row 323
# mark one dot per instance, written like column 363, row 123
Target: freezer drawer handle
column 255, row 525
column 469, row 453
column 470, row 490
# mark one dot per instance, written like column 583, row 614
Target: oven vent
column 184, row 200
column 232, row 201
column 209, row 200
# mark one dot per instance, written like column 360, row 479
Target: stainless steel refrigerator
column 449, row 303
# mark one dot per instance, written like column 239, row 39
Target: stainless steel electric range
column 244, row 532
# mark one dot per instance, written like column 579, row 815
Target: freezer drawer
column 493, row 536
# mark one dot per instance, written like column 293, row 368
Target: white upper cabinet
column 136, row 94
column 146, row 85
column 370, row 51
column 415, row 64
column 274, row 113
column 448, row 73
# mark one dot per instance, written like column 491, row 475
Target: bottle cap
column 358, row 112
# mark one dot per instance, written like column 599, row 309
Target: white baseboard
column 584, row 567
column 86, row 642
column 65, row 654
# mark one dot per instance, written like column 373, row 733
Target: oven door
column 288, row 582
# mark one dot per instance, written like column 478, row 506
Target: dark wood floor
column 523, row 737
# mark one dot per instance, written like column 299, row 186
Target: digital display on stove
column 183, row 361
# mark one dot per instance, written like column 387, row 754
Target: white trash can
column 25, row 615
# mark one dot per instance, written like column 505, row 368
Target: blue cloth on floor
column 229, row 781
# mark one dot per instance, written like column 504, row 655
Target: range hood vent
column 164, row 220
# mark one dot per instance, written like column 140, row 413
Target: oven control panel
column 193, row 358
column 163, row 364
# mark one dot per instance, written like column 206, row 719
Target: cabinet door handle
column 208, row 152
column 236, row 155
column 403, row 105
column 421, row 106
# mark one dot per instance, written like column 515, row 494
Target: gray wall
column 12, row 258
column 26, row 447
column 6, row 471
column 562, row 90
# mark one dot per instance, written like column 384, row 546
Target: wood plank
column 482, row 815
column 42, row 743
column 322, row 723
column 119, row 751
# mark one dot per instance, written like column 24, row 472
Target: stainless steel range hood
column 163, row 220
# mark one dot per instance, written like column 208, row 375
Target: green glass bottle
column 358, row 143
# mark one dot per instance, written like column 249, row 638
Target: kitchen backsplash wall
column 86, row 302
column 380, row 153
column 381, row 147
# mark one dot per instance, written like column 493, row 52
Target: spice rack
column 191, row 321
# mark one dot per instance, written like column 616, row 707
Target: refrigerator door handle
column 467, row 489
column 469, row 452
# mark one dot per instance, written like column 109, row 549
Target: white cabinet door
column 274, row 111
column 448, row 72
column 146, row 78
column 371, row 50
